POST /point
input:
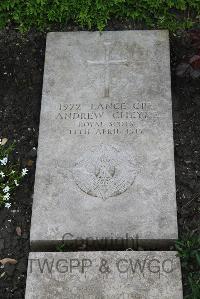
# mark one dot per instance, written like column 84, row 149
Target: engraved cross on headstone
column 106, row 63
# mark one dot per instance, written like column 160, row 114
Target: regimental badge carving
column 105, row 171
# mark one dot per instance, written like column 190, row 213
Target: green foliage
column 60, row 247
column 93, row 14
column 189, row 252
column 10, row 174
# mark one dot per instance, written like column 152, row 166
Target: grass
column 95, row 14
column 189, row 251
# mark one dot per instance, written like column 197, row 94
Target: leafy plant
column 10, row 174
column 93, row 14
column 60, row 247
column 189, row 252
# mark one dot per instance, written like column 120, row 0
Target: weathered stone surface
column 104, row 275
column 105, row 166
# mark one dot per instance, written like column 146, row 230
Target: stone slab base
column 104, row 275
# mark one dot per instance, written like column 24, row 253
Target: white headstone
column 105, row 166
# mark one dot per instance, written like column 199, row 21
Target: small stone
column 8, row 261
column 18, row 231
